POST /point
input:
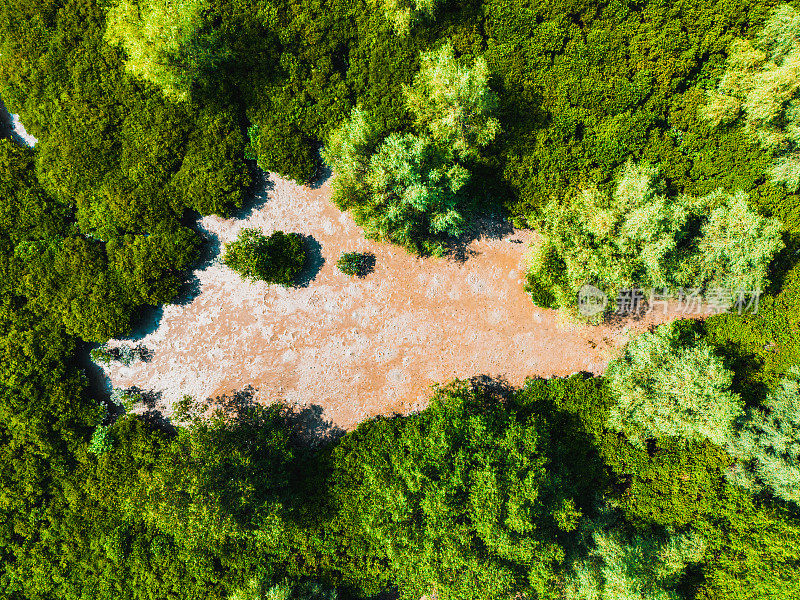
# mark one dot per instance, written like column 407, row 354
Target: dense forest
column 652, row 132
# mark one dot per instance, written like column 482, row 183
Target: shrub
column 666, row 384
column 769, row 444
column 101, row 355
column 355, row 263
column 126, row 398
column 278, row 258
column 101, row 441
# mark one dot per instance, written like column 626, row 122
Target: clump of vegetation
column 123, row 353
column 762, row 81
column 666, row 383
column 102, row 440
column 639, row 237
column 356, row 264
column 403, row 14
column 644, row 567
column 407, row 188
column 768, row 444
column 277, row 258
column 127, row 398
column 163, row 42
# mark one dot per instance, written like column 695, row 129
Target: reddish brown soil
column 361, row 347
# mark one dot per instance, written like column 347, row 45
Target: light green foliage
column 668, row 385
column 406, row 187
column 307, row 590
column 642, row 568
column 126, row 398
column 769, row 444
column 277, row 258
column 638, row 237
column 102, row 441
column 453, row 103
column 155, row 35
column 403, row 14
column 762, row 80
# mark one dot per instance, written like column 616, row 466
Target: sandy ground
column 360, row 347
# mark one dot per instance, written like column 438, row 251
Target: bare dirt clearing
column 359, row 347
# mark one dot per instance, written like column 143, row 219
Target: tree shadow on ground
column 489, row 227
column 313, row 264
column 494, row 387
column 324, row 174
column 308, row 425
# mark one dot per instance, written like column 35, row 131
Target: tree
column 403, row 14
column 453, row 103
column 456, row 500
column 641, row 568
column 638, row 237
column 667, row 384
column 160, row 38
column 761, row 80
column 768, row 445
column 407, row 187
column 274, row 259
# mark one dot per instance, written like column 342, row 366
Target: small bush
column 356, row 264
column 101, row 355
column 278, row 258
column 127, row 399
column 101, row 441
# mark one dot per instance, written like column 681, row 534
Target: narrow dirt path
column 360, row 347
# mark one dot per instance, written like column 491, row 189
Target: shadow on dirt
column 308, row 425
column 314, row 262
column 492, row 227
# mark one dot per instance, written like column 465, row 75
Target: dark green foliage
column 356, row 264
column 274, row 259
column 458, row 499
column 475, row 497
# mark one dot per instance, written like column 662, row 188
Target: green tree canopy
column 762, row 80
column 665, row 384
column 457, row 499
column 160, row 40
column 639, row 237
column 769, row 443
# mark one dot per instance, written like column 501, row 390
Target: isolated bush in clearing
column 101, row 441
column 355, row 264
column 769, row 444
column 407, row 188
column 667, row 384
column 278, row 258
column 163, row 42
column 638, row 237
column 403, row 14
column 762, row 80
column 452, row 102
column 644, row 568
